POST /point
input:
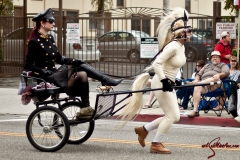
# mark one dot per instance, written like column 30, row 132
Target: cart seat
column 46, row 91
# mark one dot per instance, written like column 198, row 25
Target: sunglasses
column 233, row 61
column 189, row 31
column 50, row 21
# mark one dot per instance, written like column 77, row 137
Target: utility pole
column 165, row 6
column 216, row 15
column 60, row 25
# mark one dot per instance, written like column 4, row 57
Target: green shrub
column 234, row 52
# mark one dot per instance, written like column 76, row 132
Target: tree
column 6, row 7
column 229, row 4
column 165, row 6
column 101, row 5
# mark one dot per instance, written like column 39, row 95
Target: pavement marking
column 103, row 140
column 13, row 120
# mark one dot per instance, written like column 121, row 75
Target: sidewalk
column 10, row 103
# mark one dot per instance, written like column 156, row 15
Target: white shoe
column 237, row 119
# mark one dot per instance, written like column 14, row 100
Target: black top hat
column 47, row 14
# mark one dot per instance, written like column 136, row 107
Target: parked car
column 121, row 44
column 204, row 33
column 197, row 48
column 86, row 50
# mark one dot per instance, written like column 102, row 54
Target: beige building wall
column 204, row 7
column 197, row 6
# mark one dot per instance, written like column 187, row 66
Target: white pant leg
column 168, row 103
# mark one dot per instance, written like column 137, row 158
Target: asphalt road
column 109, row 143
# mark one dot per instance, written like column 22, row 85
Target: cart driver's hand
column 46, row 72
column 77, row 62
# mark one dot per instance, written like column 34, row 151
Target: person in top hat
column 223, row 47
column 42, row 55
column 209, row 73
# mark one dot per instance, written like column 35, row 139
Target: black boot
column 84, row 94
column 105, row 80
column 110, row 82
column 86, row 110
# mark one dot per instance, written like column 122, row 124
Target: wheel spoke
column 47, row 129
column 79, row 132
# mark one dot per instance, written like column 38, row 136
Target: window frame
column 120, row 3
column 92, row 22
column 64, row 13
column 188, row 5
column 141, row 25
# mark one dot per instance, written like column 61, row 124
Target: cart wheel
column 41, row 126
column 80, row 132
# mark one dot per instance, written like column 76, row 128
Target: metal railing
column 110, row 56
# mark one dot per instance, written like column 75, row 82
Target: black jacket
column 43, row 54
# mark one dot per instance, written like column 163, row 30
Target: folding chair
column 211, row 99
column 183, row 91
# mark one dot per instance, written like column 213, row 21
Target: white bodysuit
column 167, row 64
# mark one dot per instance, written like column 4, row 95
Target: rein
column 140, row 71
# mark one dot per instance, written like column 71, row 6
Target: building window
column 120, row 3
column 92, row 22
column 68, row 13
column 209, row 24
column 188, row 5
column 201, row 24
column 205, row 24
column 72, row 14
column 141, row 25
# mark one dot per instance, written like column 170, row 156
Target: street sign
column 229, row 27
column 149, row 47
column 73, row 33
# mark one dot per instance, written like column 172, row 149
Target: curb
column 204, row 120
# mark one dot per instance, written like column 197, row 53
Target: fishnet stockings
column 78, row 78
column 78, row 86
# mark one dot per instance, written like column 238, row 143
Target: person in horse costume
column 172, row 32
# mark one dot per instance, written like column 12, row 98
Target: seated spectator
column 235, row 76
column 209, row 73
column 185, row 93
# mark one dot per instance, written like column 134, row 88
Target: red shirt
column 224, row 50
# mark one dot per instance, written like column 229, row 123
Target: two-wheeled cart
column 49, row 128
